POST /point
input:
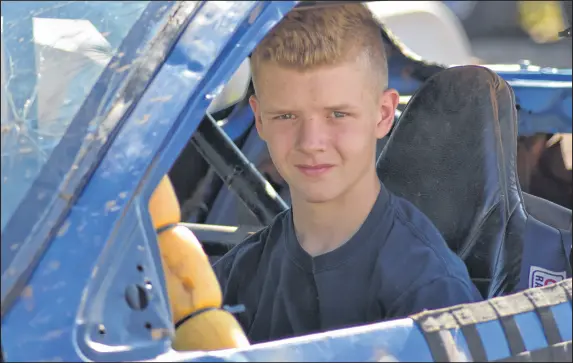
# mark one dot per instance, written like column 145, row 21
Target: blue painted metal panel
column 112, row 315
column 544, row 96
column 398, row 340
column 461, row 343
column 139, row 156
column 564, row 312
column 239, row 121
column 545, row 107
column 531, row 330
column 53, row 192
column 494, row 340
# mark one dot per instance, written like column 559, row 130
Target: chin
column 318, row 194
column 317, row 199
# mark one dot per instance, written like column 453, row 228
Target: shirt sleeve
column 236, row 272
column 439, row 293
column 222, row 268
column 238, row 265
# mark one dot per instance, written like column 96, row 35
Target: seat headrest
column 452, row 154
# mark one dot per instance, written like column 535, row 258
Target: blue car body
column 71, row 242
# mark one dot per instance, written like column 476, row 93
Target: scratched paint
column 161, row 98
column 64, row 228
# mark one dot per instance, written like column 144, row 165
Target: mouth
column 314, row 170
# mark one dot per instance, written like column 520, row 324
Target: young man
column 348, row 252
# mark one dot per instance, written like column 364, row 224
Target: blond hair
column 306, row 39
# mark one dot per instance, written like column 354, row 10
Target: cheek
column 279, row 145
column 355, row 142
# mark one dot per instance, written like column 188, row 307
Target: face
column 321, row 125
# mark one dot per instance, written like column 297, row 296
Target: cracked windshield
column 52, row 54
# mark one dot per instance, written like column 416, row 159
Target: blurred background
column 486, row 32
column 504, row 31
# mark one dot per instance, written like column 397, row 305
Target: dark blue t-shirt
column 395, row 265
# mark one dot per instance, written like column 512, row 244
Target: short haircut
column 324, row 36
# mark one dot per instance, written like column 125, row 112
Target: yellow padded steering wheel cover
column 212, row 330
column 191, row 282
column 163, row 205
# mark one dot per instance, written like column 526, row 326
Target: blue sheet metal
column 239, row 121
column 544, row 107
column 398, row 340
column 564, row 312
column 138, row 157
column 393, row 341
column 543, row 96
column 29, row 231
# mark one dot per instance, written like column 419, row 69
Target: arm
column 222, row 268
column 234, row 271
column 239, row 266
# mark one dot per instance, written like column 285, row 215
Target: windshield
column 52, row 54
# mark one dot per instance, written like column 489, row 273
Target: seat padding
column 548, row 212
column 453, row 155
column 546, row 255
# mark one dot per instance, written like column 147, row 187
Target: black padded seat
column 453, row 155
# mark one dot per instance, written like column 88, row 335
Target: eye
column 337, row 114
column 286, row 116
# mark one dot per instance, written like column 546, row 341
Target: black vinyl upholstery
column 453, row 155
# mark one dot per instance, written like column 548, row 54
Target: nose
column 312, row 135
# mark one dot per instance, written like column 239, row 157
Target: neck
column 323, row 227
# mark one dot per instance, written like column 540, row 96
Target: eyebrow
column 278, row 111
column 342, row 106
column 336, row 107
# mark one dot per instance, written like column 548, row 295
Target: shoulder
column 416, row 222
column 435, row 277
column 419, row 238
column 247, row 255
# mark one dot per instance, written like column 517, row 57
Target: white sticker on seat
column 539, row 276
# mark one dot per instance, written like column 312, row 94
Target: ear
column 256, row 111
column 388, row 103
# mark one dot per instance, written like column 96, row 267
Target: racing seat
column 453, row 155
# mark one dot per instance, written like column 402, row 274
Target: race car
column 98, row 263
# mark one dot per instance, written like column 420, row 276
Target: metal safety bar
column 237, row 172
